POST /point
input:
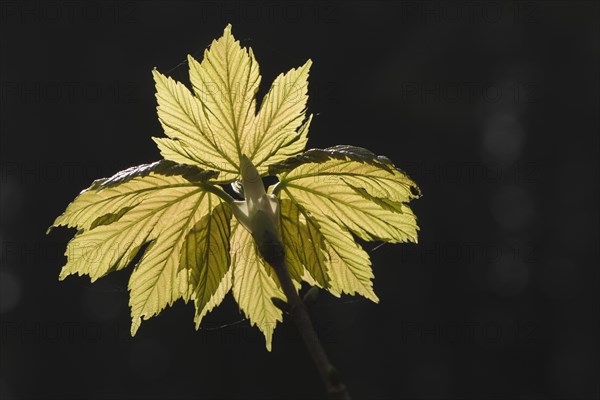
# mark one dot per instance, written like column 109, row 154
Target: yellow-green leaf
column 107, row 197
column 205, row 254
column 110, row 247
column 194, row 137
column 175, row 211
column 226, row 82
column 304, row 245
column 155, row 204
column 277, row 136
column 353, row 188
column 157, row 280
column 253, row 287
column 349, row 265
column 214, row 128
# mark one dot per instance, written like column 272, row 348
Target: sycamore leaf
column 348, row 264
column 217, row 125
column 330, row 256
column 205, row 254
column 193, row 137
column 305, row 251
column 157, row 281
column 153, row 203
column 282, row 111
column 110, row 247
column 349, row 186
column 109, row 196
column 198, row 243
column 226, row 82
column 253, row 286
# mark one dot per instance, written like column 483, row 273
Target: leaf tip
column 268, row 343
column 191, row 61
column 63, row 274
column 158, row 77
column 135, row 325
column 155, row 73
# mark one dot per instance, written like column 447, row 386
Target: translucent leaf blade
column 253, row 287
column 192, row 136
column 126, row 189
column 158, row 280
column 304, row 246
column 206, row 257
column 282, row 112
column 354, row 188
column 349, row 266
column 110, row 247
column 226, row 82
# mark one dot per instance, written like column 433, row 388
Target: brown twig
column 273, row 253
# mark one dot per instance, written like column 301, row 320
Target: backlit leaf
column 125, row 189
column 195, row 242
column 353, row 188
column 219, row 123
column 193, row 137
column 253, row 286
column 153, row 204
column 205, row 254
column 226, row 82
column 157, row 280
column 349, row 265
column 304, row 245
column 277, row 136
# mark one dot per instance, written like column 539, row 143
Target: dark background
column 491, row 107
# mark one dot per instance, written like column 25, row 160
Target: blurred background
column 491, row 107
